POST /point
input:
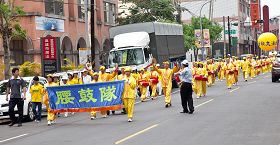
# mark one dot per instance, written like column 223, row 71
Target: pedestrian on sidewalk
column 17, row 86
column 186, row 88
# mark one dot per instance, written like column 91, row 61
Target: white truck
column 136, row 44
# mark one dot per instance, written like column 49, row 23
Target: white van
column 27, row 109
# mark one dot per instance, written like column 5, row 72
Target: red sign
column 255, row 15
column 49, row 48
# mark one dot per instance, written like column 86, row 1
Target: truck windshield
column 126, row 57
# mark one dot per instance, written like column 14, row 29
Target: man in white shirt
column 86, row 78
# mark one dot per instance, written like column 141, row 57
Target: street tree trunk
column 7, row 56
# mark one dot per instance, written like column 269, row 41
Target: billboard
column 49, row 24
column 206, row 35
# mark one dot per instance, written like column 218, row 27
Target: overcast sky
column 274, row 7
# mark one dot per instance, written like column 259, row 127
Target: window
column 109, row 13
column 81, row 9
column 54, row 7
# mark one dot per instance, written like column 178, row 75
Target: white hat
column 75, row 72
column 157, row 65
column 64, row 78
column 70, row 73
column 56, row 75
column 185, row 62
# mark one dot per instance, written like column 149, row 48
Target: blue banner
column 85, row 98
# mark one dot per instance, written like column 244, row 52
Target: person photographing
column 186, row 88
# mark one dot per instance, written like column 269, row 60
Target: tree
column 149, row 11
column 9, row 28
column 214, row 28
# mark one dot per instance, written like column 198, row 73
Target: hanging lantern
column 267, row 41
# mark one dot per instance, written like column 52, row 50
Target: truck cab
column 131, row 49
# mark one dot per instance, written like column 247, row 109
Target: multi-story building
column 274, row 28
column 64, row 19
column 239, row 13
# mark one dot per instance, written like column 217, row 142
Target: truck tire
column 30, row 116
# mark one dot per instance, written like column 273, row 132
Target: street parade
column 139, row 72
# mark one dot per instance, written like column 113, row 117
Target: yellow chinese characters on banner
column 206, row 35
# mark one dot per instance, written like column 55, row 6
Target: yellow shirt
column 129, row 88
column 105, row 77
column 37, row 92
column 77, row 81
column 166, row 75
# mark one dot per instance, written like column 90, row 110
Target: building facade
column 64, row 19
column 274, row 28
column 239, row 13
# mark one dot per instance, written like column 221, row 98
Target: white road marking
column 135, row 134
column 252, row 82
column 13, row 138
column 266, row 76
column 234, row 89
column 203, row 103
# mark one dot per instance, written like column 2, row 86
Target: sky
column 273, row 5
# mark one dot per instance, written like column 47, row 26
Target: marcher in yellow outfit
column 129, row 94
column 105, row 77
column 200, row 80
column 154, row 81
column 95, row 80
column 51, row 116
column 194, row 82
column 245, row 69
column 252, row 68
column 230, row 74
column 166, row 76
column 204, row 81
column 76, row 80
column 143, row 84
column 211, row 74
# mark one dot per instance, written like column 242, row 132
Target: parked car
column 27, row 109
column 276, row 69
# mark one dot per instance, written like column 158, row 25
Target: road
column 248, row 114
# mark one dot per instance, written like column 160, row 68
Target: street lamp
column 202, row 37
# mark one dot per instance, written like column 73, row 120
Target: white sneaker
column 53, row 122
column 49, row 123
column 73, row 113
column 104, row 116
column 92, row 118
column 197, row 97
column 129, row 120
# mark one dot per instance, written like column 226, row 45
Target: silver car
column 27, row 109
column 276, row 69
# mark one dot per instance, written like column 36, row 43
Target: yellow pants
column 129, row 106
column 236, row 77
column 252, row 73
column 245, row 75
column 222, row 75
column 143, row 91
column 51, row 116
column 204, row 88
column 230, row 80
column 93, row 114
column 210, row 80
column 199, row 87
column 154, row 90
column 167, row 94
column 194, row 85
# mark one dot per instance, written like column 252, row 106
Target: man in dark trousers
column 16, row 87
column 186, row 88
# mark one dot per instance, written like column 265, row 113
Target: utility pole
column 225, row 45
column 92, row 32
column 229, row 37
column 86, row 23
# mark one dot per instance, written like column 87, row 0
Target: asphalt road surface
column 248, row 114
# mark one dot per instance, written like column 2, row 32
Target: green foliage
column 214, row 28
column 30, row 69
column 149, row 11
column 71, row 66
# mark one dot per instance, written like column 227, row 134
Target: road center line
column 252, row 82
column 234, row 89
column 135, row 134
column 13, row 138
column 203, row 103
